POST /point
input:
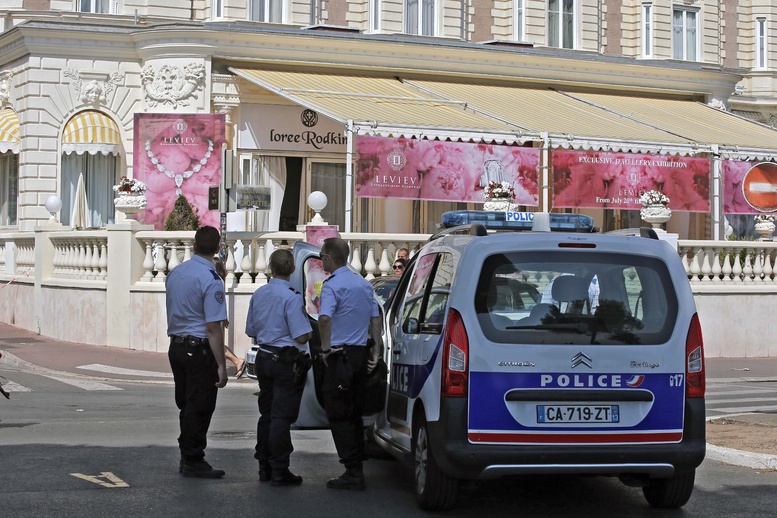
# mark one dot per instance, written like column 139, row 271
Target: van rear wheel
column 670, row 493
column 434, row 490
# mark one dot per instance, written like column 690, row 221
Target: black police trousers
column 279, row 401
column 344, row 408
column 195, row 372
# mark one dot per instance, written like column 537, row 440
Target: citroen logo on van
column 582, row 359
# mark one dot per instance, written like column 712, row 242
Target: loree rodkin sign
column 289, row 128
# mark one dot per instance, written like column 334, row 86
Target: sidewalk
column 27, row 351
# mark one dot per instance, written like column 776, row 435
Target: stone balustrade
column 736, row 263
column 83, row 255
column 106, row 287
column 248, row 253
column 80, row 255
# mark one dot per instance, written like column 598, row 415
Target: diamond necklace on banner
column 179, row 177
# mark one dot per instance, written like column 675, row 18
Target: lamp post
column 53, row 205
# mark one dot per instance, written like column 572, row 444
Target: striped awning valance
column 9, row 131
column 91, row 132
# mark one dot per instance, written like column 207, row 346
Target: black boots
column 352, row 479
column 285, row 478
column 200, row 469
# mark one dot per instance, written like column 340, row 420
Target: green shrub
column 183, row 216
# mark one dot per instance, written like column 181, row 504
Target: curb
column 761, row 461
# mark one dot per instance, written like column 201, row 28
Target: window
column 647, row 30
column 9, row 188
column 760, row 43
column 218, row 9
column 571, row 298
column 99, row 177
column 685, row 37
column 420, row 17
column 518, row 20
column 267, row 11
column 561, row 23
column 375, row 6
column 98, row 6
column 329, row 177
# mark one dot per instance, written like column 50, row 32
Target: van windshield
column 575, row 298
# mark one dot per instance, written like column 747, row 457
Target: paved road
column 82, row 450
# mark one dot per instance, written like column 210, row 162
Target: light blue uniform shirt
column 195, row 296
column 276, row 315
column 349, row 301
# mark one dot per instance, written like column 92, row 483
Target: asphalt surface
column 22, row 349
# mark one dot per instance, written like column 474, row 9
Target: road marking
column 10, row 386
column 112, row 480
column 125, row 372
column 82, row 383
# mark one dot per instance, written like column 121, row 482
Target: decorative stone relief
column 171, row 84
column 91, row 86
column 5, row 87
column 718, row 104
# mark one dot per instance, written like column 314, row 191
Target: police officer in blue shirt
column 280, row 327
column 196, row 310
column 349, row 314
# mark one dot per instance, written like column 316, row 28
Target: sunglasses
column 399, row 267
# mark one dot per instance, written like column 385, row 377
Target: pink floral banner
column 178, row 154
column 442, row 170
column 749, row 187
column 602, row 180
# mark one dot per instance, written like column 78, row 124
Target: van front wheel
column 434, row 490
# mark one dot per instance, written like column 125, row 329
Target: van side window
column 432, row 319
column 413, row 299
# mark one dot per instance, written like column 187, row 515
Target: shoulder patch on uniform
column 219, row 297
column 215, row 275
column 292, row 289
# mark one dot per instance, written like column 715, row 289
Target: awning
column 382, row 104
column 564, row 119
column 416, row 108
column 91, row 132
column 9, row 131
column 693, row 120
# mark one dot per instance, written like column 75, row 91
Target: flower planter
column 130, row 204
column 498, row 205
column 655, row 214
column 765, row 229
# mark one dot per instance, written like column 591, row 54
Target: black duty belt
column 189, row 340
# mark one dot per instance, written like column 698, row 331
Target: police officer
column 348, row 314
column 196, row 311
column 278, row 323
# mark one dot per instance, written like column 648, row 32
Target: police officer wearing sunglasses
column 349, row 314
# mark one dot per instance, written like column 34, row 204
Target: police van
column 522, row 353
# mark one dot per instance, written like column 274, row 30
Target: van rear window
column 575, row 298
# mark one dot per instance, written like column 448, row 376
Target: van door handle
column 397, row 349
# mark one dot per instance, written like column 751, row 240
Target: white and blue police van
column 524, row 353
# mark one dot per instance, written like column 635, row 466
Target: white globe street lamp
column 53, row 205
column 317, row 201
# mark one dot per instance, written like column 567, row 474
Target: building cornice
column 271, row 45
